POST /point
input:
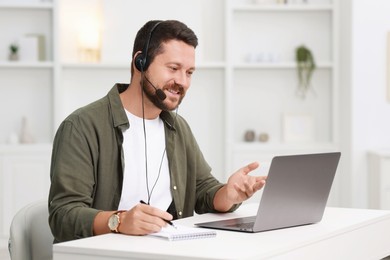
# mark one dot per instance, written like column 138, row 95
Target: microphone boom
column 159, row 92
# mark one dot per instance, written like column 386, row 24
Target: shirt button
column 174, row 187
column 180, row 213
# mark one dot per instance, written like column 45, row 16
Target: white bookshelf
column 204, row 65
column 29, row 65
column 27, row 90
column 27, row 6
column 277, row 65
column 259, row 93
column 30, row 83
column 281, row 7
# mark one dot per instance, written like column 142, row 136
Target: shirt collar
column 119, row 116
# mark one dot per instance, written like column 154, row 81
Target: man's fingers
column 150, row 210
column 144, row 219
column 250, row 167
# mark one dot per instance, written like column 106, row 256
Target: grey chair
column 30, row 235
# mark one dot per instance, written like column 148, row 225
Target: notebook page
column 183, row 233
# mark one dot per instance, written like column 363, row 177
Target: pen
column 167, row 221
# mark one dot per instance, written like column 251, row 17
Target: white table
column 342, row 234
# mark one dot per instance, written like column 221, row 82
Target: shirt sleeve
column 72, row 185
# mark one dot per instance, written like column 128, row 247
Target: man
column 128, row 163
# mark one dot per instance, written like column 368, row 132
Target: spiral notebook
column 183, row 233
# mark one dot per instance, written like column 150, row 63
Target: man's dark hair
column 165, row 31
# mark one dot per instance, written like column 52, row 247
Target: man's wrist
column 114, row 221
column 221, row 201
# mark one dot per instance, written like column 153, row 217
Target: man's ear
column 139, row 61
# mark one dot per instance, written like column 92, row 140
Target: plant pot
column 13, row 57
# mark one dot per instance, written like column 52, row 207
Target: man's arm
column 72, row 182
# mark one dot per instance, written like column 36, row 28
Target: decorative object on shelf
column 298, row 128
column 91, row 55
column 13, row 52
column 296, row 1
column 249, row 136
column 32, row 47
column 89, row 33
column 13, row 138
column 262, row 57
column 267, row 2
column 263, row 137
column 25, row 133
column 305, row 68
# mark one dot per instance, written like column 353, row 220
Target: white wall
column 367, row 110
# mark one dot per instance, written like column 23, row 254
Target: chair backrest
column 30, row 235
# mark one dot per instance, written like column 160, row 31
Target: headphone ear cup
column 139, row 62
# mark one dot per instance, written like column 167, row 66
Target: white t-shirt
column 134, row 186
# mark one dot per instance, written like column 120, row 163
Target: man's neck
column 132, row 101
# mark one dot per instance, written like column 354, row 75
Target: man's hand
column 240, row 187
column 142, row 219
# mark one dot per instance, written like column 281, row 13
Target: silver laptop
column 296, row 193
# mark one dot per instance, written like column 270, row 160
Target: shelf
column 18, row 148
column 381, row 152
column 37, row 6
column 210, row 65
column 95, row 66
column 278, row 65
column 203, row 65
column 283, row 8
column 26, row 65
column 285, row 147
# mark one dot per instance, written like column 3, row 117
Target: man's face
column 170, row 71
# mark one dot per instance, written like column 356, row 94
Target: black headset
column 141, row 60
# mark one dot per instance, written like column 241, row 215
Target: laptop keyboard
column 245, row 223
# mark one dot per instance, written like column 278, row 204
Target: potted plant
column 305, row 68
column 14, row 52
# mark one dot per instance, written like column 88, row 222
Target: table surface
column 343, row 232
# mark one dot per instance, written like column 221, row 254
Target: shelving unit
column 27, row 6
column 206, row 65
column 277, row 65
column 24, row 178
column 241, row 7
column 261, row 78
column 28, row 65
column 27, row 90
column 27, row 86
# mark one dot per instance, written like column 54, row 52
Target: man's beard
column 152, row 96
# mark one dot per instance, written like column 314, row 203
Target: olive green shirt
column 88, row 162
